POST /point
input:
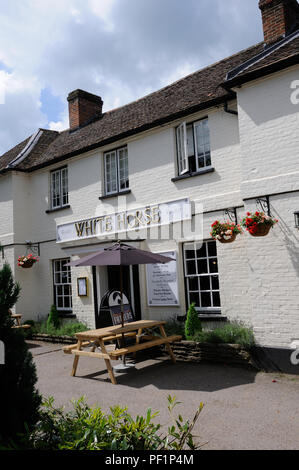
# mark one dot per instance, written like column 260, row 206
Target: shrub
column 19, row 401
column 193, row 323
column 53, row 318
column 173, row 327
column 86, row 428
column 233, row 333
column 69, row 328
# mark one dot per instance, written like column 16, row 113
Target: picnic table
column 97, row 341
column 17, row 319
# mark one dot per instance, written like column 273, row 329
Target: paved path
column 243, row 409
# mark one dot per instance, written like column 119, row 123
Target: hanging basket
column 28, row 264
column 228, row 240
column 262, row 230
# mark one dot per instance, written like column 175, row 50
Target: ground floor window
column 62, row 285
column 202, row 278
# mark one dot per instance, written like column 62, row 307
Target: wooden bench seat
column 145, row 345
column 107, row 339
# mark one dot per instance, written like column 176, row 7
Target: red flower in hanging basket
column 258, row 224
column 225, row 232
column 27, row 261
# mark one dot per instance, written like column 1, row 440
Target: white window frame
column 56, row 284
column 209, row 274
column 197, row 124
column 62, row 175
column 117, row 154
column 182, row 149
column 182, row 146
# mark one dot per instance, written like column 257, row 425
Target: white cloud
column 119, row 49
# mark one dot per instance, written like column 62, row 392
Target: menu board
column 162, row 282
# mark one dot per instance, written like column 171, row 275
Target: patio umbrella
column 120, row 254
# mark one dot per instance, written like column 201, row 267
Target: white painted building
column 223, row 138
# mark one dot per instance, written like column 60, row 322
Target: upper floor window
column 193, row 146
column 59, row 188
column 116, row 171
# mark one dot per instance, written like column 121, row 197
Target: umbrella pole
column 122, row 308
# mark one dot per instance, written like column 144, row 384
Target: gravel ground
column 242, row 409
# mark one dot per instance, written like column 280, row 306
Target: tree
column 53, row 318
column 193, row 323
column 19, row 400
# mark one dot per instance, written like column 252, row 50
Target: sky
column 120, row 50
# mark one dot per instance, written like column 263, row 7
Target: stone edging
column 228, row 354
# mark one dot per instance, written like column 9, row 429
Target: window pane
column 193, row 283
column 190, row 140
column 194, row 297
column 213, row 265
column 189, row 252
column 111, row 172
column 123, row 169
column 201, row 162
column 205, row 299
column 205, row 283
column 202, row 266
column 202, row 138
column 201, row 251
column 215, row 282
column 191, row 267
column 216, row 299
column 212, row 249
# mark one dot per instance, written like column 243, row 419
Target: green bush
column 193, row 323
column 86, row 428
column 53, row 318
column 19, row 400
column 232, row 332
column 68, row 328
column 173, row 327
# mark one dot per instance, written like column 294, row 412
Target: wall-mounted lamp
column 296, row 215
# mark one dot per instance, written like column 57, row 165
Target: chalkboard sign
column 162, row 284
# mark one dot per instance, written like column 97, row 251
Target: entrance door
column 130, row 285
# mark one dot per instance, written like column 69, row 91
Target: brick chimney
column 280, row 18
column 83, row 108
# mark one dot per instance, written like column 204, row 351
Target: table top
column 117, row 329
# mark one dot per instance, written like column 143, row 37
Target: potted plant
column 258, row 224
column 225, row 232
column 27, row 261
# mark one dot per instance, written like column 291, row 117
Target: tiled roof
column 199, row 90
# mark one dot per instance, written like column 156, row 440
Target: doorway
column 130, row 285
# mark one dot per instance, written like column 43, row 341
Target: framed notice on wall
column 162, row 282
column 82, row 286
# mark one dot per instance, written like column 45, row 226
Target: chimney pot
column 84, row 107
